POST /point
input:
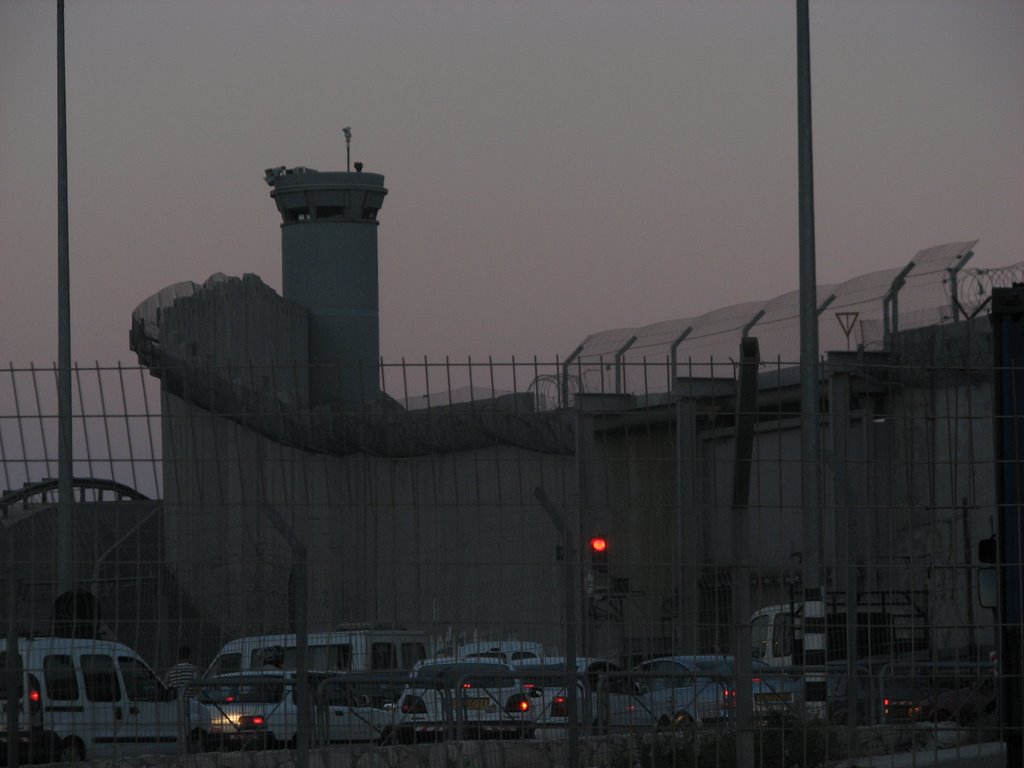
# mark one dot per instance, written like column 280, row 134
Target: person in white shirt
column 182, row 674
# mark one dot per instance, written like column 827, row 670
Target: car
column 603, row 694
column 683, row 690
column 357, row 707
column 251, row 710
column 775, row 693
column 965, row 704
column 83, row 698
column 448, row 698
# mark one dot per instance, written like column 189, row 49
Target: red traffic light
column 599, row 544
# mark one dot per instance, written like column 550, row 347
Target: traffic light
column 599, row 554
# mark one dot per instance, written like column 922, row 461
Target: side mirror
column 988, row 588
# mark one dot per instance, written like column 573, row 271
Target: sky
column 555, row 167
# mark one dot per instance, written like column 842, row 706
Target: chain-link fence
column 504, row 564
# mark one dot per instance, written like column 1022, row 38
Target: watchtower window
column 330, row 211
column 370, row 214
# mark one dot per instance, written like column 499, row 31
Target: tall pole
column 746, row 416
column 808, row 302
column 65, row 573
column 813, row 634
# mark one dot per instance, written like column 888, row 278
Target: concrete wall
column 443, row 542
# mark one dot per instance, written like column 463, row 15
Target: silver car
column 447, row 698
column 683, row 690
column 604, row 695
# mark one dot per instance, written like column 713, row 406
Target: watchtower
column 329, row 266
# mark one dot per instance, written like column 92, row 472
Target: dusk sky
column 555, row 168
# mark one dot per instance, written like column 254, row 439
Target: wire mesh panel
column 466, row 563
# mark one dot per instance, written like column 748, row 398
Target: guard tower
column 329, row 266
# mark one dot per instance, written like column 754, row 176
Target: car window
column 475, row 675
column 759, row 637
column 59, row 678
column 665, row 675
column 243, row 693
column 383, row 656
column 139, row 681
column 499, row 655
column 540, row 675
column 100, row 678
column 340, row 657
column 782, row 635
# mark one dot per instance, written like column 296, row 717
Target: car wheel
column 71, row 751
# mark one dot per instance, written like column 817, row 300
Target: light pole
column 65, row 566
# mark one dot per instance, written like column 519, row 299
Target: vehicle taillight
column 413, row 705
column 35, row 696
column 728, row 698
column 467, row 685
column 251, row 721
column 517, row 703
column 559, row 708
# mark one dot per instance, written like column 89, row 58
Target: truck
column 888, row 624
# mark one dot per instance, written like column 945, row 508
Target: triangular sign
column 846, row 321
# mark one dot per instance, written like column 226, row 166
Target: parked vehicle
column 967, row 704
column 259, row 710
column 888, row 623
column 603, row 694
column 357, row 706
column 251, row 710
column 451, row 698
column 680, row 690
column 773, row 691
column 916, row 690
column 356, row 649
column 83, row 698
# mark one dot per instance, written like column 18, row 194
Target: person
column 183, row 674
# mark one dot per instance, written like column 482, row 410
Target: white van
column 81, row 698
column 348, row 650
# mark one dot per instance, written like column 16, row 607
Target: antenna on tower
column 348, row 146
